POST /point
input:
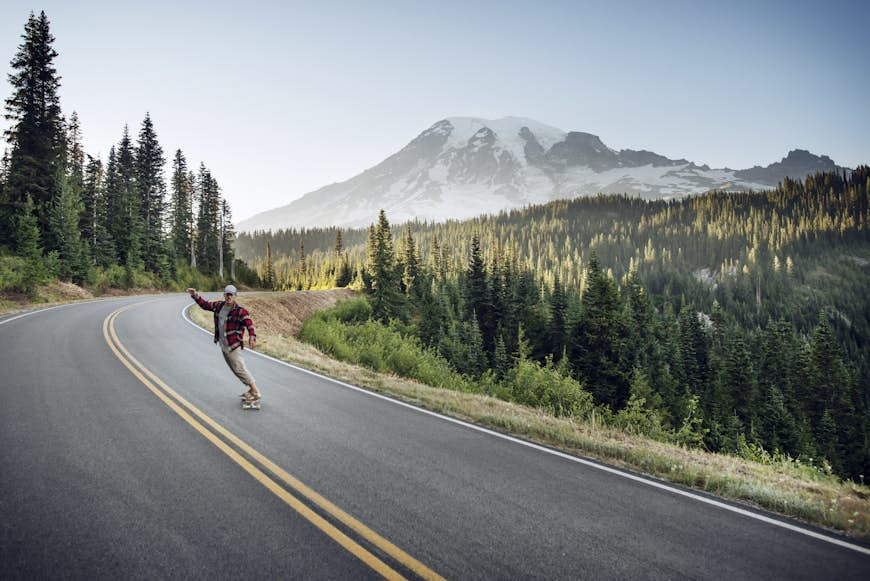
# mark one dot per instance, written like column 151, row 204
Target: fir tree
column 228, row 236
column 93, row 218
column 36, row 128
column 125, row 226
column 476, row 288
column 738, row 383
column 598, row 340
column 269, row 276
column 36, row 271
column 151, row 190
column 410, row 263
column 181, row 222
column 339, row 245
column 64, row 217
column 385, row 290
column 208, row 222
column 558, row 310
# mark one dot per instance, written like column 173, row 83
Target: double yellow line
column 178, row 404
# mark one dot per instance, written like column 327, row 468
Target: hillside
column 746, row 313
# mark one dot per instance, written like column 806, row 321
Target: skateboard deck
column 250, row 405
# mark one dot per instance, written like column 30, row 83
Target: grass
column 784, row 487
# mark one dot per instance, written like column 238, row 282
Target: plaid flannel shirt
column 238, row 320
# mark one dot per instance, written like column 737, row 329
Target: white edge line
column 44, row 309
column 84, row 302
column 630, row 476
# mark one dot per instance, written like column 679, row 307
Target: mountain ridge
column 461, row 167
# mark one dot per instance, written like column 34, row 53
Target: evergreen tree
column 181, row 221
column 476, row 288
column 208, row 223
column 125, row 224
column 94, row 214
column 269, row 276
column 410, row 263
column 36, row 128
column 151, row 190
column 339, row 245
column 558, row 310
column 846, row 448
column 693, row 351
column 597, row 343
column 228, row 235
column 385, row 287
column 75, row 156
column 36, row 271
column 737, row 383
column 64, row 227
column 192, row 188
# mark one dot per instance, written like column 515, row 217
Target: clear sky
column 280, row 98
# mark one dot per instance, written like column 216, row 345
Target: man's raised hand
column 191, row 291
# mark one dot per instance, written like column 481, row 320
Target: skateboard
column 251, row 405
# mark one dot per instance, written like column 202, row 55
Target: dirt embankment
column 283, row 313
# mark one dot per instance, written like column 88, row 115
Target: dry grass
column 49, row 295
column 786, row 488
column 61, row 293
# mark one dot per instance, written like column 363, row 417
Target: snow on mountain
column 462, row 167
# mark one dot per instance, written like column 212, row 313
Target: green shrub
column 11, row 273
column 637, row 418
column 352, row 311
column 113, row 276
column 346, row 332
column 545, row 387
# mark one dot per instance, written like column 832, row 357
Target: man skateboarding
column 230, row 322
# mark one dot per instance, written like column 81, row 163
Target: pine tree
column 737, row 383
column 36, row 271
column 597, row 345
column 92, row 193
column 191, row 186
column 339, row 245
column 125, row 215
column 151, row 190
column 343, row 272
column 75, row 156
column 558, row 324
column 410, row 263
column 693, row 351
column 386, row 296
column 228, row 236
column 208, row 222
column 64, row 224
column 269, row 275
column 477, row 300
column 181, row 221
column 843, row 403
column 36, row 128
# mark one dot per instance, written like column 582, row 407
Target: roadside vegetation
column 539, row 403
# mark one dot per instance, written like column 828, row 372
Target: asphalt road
column 125, row 454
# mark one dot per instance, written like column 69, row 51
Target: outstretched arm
column 204, row 304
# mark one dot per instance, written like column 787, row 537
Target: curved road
column 125, row 454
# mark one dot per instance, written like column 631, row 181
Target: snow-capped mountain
column 462, row 167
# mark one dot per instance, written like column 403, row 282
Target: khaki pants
column 237, row 364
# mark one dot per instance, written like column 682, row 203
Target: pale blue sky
column 280, row 98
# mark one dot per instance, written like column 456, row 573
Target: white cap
column 230, row 290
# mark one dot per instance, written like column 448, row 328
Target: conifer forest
column 730, row 321
column 103, row 223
